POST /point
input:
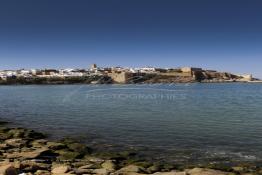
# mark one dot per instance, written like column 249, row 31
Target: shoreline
column 130, row 78
column 195, row 82
column 26, row 151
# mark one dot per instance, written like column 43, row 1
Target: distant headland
column 119, row 75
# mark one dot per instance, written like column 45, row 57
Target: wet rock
column 30, row 153
column 39, row 153
column 131, row 173
column 90, row 166
column 38, row 143
column 4, row 129
column 238, row 169
column 24, row 133
column 12, row 155
column 61, row 169
column 31, row 166
column 65, row 155
column 16, row 142
column 17, row 164
column 42, row 172
column 144, row 164
column 167, row 167
column 34, row 135
column 4, row 146
column 129, row 153
column 132, row 168
column 76, row 146
column 109, row 165
column 7, row 169
column 70, row 173
column 153, row 168
column 80, row 163
column 56, row 145
column 80, row 148
column 171, row 173
column 110, row 156
column 204, row 171
column 4, row 136
column 83, row 171
column 94, row 159
column 17, row 132
column 101, row 171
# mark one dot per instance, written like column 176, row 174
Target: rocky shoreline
column 26, row 152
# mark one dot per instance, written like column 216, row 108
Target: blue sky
column 215, row 34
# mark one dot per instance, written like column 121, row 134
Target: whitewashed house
column 148, row 70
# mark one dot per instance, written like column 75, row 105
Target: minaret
column 93, row 67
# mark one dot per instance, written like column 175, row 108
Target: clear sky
column 224, row 35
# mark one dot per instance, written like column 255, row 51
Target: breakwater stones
column 26, row 152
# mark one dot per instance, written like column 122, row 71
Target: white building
column 147, row 70
column 69, row 73
column 24, row 73
column 35, row 71
column 133, row 70
column 10, row 73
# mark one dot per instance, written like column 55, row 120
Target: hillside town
column 121, row 75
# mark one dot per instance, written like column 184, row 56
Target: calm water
column 188, row 123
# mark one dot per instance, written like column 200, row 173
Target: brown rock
column 4, row 146
column 61, row 169
column 17, row 132
column 238, row 169
column 16, row 142
column 38, row 143
column 69, row 173
column 94, row 159
column 32, row 166
column 101, row 171
column 132, row 168
column 83, row 171
column 204, row 171
column 42, row 172
column 67, row 155
column 33, row 154
column 55, row 145
column 153, row 169
column 109, row 165
column 170, row 173
column 90, row 166
column 8, row 170
column 30, row 134
column 131, row 173
column 4, row 136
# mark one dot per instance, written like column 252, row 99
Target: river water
column 171, row 122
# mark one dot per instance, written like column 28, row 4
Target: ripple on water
column 201, row 122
